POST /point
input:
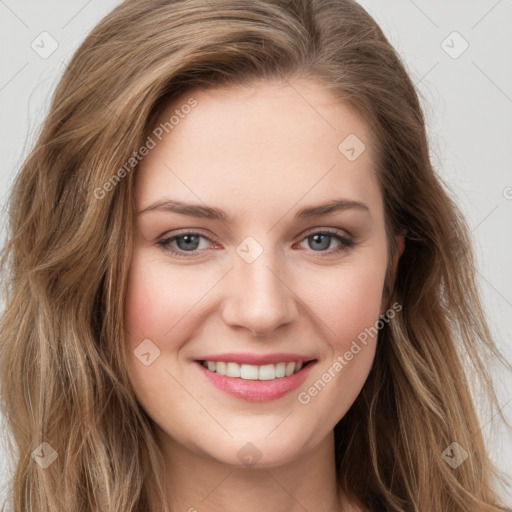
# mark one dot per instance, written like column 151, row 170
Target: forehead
column 275, row 111
column 264, row 142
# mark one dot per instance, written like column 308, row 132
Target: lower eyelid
column 345, row 243
column 167, row 241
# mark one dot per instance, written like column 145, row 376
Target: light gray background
column 467, row 102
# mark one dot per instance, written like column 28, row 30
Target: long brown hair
column 62, row 368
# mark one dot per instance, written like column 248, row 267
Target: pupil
column 318, row 238
column 189, row 241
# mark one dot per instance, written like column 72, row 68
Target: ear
column 399, row 249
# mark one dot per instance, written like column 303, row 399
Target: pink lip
column 256, row 390
column 259, row 360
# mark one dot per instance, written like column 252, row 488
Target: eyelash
column 346, row 243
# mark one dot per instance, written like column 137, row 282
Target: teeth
column 267, row 372
column 233, row 370
column 248, row 371
column 253, row 372
column 221, row 368
column 280, row 369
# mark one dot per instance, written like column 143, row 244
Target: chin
column 257, row 452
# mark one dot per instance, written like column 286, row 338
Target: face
column 260, row 253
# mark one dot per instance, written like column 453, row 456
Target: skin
column 260, row 153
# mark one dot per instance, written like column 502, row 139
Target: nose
column 259, row 298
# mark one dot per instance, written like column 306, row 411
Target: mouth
column 255, row 372
column 255, row 383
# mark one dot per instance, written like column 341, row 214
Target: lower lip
column 257, row 390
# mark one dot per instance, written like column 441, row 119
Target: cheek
column 154, row 303
column 348, row 307
column 359, row 303
column 347, row 300
column 156, row 309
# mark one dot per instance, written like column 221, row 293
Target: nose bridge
column 260, row 300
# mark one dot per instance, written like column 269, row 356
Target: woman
column 177, row 333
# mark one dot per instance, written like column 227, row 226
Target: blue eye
column 188, row 243
column 322, row 240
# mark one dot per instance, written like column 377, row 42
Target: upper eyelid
column 335, row 233
column 197, row 231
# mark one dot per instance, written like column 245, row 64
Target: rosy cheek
column 347, row 301
column 159, row 301
column 137, row 307
column 147, row 303
column 363, row 298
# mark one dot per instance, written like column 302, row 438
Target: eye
column 318, row 241
column 188, row 243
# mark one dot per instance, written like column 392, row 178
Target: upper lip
column 257, row 359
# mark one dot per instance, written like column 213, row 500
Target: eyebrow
column 208, row 212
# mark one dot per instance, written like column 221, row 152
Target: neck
column 197, row 482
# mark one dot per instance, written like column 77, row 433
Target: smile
column 253, row 382
column 253, row 372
